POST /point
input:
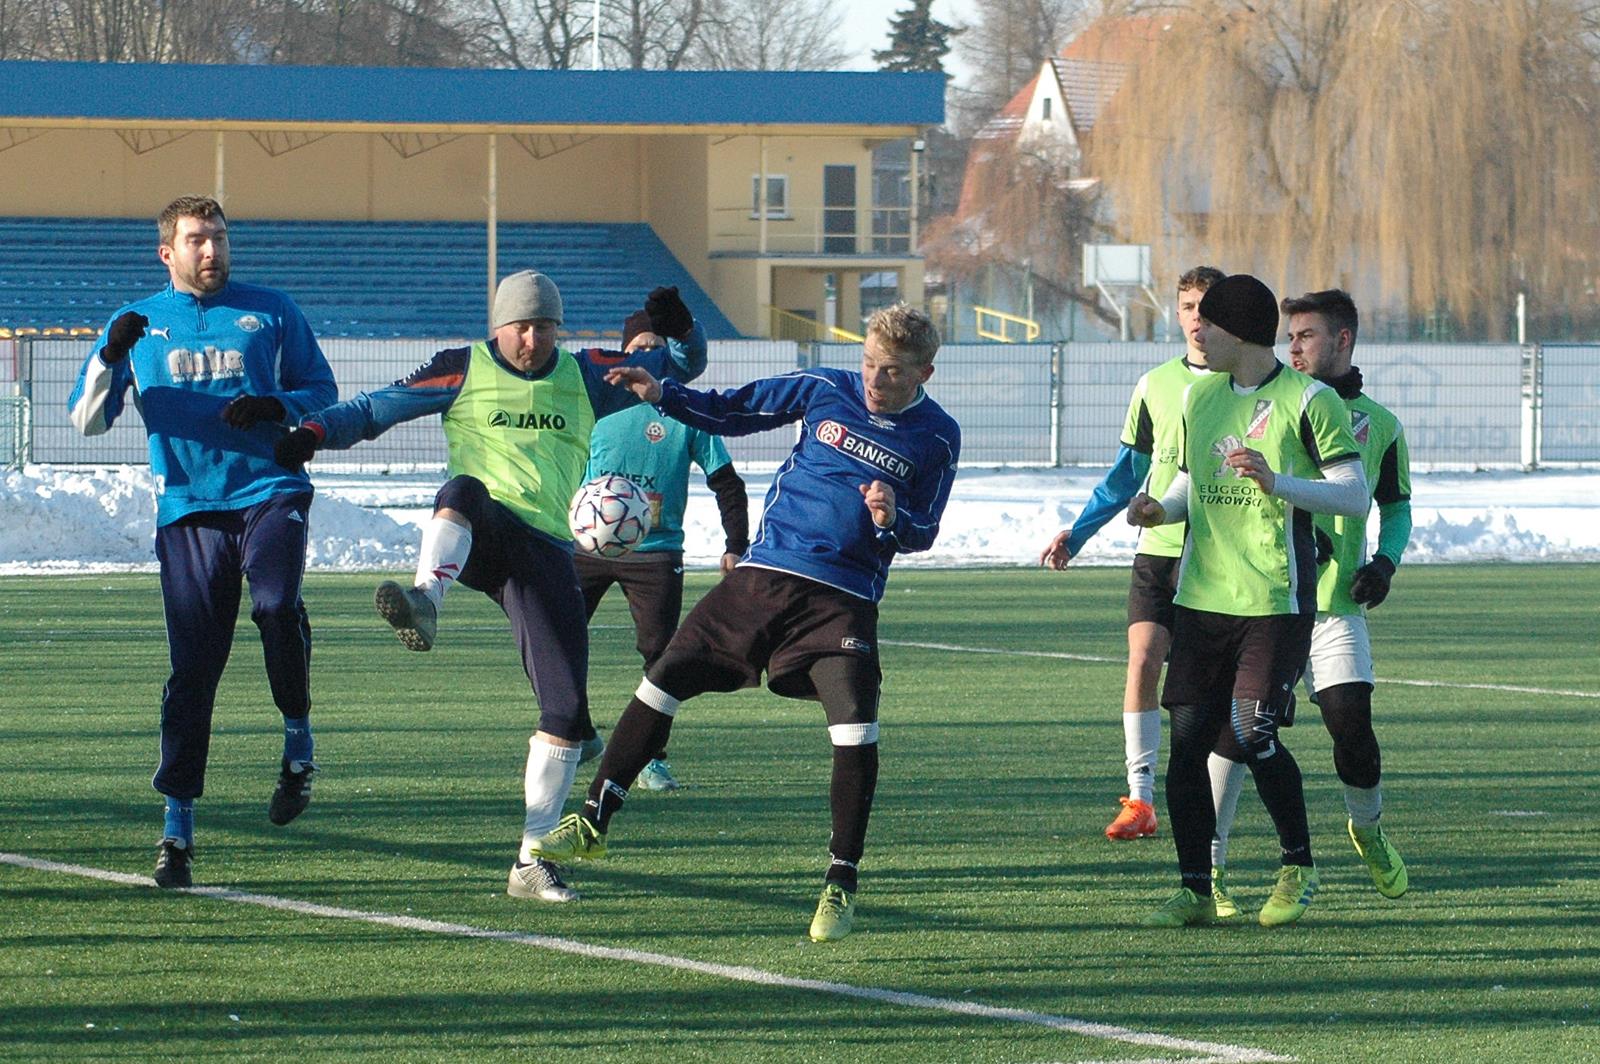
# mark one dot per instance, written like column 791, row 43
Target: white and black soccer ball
column 610, row 516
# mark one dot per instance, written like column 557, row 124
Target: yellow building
column 759, row 183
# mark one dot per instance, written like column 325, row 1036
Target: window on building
column 1046, row 113
column 777, row 195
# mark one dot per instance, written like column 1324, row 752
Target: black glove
column 1324, row 546
column 1370, row 586
column 122, row 335
column 668, row 315
column 247, row 411
column 295, row 450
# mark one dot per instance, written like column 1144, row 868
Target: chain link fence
column 1464, row 406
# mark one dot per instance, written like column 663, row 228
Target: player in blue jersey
column 218, row 369
column 1148, row 458
column 517, row 412
column 868, row 479
column 655, row 452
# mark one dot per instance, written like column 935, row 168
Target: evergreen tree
column 918, row 41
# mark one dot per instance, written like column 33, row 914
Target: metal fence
column 1041, row 404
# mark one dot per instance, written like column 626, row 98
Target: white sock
column 445, row 546
column 545, row 783
column 1141, row 745
column 1227, row 780
column 1364, row 804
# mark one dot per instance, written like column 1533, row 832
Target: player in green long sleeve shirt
column 1148, row 461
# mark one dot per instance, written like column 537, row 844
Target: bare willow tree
column 533, row 34
column 1027, row 217
column 650, row 34
column 1005, row 45
column 173, row 31
column 352, row 32
column 772, row 35
column 1439, row 155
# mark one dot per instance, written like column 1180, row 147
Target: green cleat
column 1291, row 895
column 1227, row 908
column 835, row 912
column 574, row 839
column 1388, row 869
column 1183, row 909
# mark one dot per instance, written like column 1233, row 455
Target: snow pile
column 80, row 520
column 97, row 519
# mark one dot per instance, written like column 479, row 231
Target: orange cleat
column 1136, row 820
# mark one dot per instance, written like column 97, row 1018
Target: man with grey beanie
column 517, row 412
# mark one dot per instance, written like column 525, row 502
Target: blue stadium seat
column 362, row 279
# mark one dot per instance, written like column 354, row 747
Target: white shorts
column 1341, row 653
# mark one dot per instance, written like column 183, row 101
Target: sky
column 74, row 520
column 866, row 24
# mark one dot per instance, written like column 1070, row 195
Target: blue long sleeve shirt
column 816, row 523
column 1110, row 497
column 197, row 355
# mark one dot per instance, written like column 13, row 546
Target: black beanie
column 1243, row 306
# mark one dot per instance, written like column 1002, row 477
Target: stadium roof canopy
column 113, row 95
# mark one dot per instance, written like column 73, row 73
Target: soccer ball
column 610, row 516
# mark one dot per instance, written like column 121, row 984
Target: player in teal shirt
column 655, row 452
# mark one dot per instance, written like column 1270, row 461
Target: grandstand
column 352, row 279
column 401, row 190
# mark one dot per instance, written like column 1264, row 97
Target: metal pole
column 761, row 201
column 916, row 191
column 594, row 55
column 493, row 198
column 1058, row 354
column 219, row 181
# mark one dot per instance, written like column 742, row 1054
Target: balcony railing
column 882, row 231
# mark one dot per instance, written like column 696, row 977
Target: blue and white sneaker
column 657, row 776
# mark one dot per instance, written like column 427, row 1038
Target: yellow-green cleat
column 1388, row 869
column 1291, row 895
column 1183, row 909
column 835, row 912
column 1227, row 908
column 574, row 839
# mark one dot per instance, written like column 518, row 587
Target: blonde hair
column 905, row 330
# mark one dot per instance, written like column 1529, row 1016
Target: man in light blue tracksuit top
column 218, row 370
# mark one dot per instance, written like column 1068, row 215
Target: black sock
column 1190, row 813
column 639, row 733
column 855, row 780
column 1278, row 783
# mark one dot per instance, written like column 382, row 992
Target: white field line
column 1062, row 656
column 1215, row 1052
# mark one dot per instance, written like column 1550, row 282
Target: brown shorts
column 1155, row 582
column 1218, row 658
column 759, row 620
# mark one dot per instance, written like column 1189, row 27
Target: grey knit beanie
column 526, row 296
